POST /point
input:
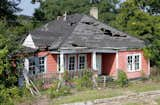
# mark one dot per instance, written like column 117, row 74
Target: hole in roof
column 88, row 23
column 106, row 31
column 74, row 45
column 119, row 35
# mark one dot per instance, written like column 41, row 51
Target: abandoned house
column 78, row 41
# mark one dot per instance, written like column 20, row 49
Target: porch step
column 102, row 80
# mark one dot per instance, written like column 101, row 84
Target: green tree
column 133, row 19
column 50, row 9
column 7, row 10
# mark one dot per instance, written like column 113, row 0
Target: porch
column 104, row 62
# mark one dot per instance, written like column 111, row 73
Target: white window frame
column 85, row 63
column 133, row 62
column 33, row 59
column 75, row 66
column 58, row 62
column 45, row 64
column 38, row 65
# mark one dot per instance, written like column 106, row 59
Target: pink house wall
column 122, row 56
column 108, row 63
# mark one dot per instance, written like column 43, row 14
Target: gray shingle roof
column 80, row 30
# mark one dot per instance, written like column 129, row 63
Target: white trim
column 117, row 64
column 45, row 64
column 85, row 65
column 75, row 63
column 133, row 63
column 26, row 64
column 58, row 65
column 28, row 42
column 94, row 67
column 61, row 62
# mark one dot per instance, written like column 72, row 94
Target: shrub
column 63, row 90
column 122, row 78
column 85, row 81
column 143, row 76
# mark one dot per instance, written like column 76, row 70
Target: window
column 32, row 66
column 36, row 65
column 41, row 64
column 81, row 62
column 133, row 61
column 130, row 62
column 71, row 62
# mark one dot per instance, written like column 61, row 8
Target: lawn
column 136, row 86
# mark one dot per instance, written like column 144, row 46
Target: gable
column 28, row 42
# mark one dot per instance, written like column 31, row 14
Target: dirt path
column 145, row 98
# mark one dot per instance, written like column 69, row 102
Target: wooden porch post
column 94, row 61
column 117, row 63
column 61, row 62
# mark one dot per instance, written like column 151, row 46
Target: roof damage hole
column 106, row 31
column 74, row 45
column 88, row 23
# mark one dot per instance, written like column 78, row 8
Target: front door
column 99, row 63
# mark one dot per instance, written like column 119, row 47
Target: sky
column 28, row 7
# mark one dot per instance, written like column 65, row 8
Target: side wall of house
column 122, row 56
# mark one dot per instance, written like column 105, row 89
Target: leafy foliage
column 122, row 78
column 134, row 19
column 50, row 9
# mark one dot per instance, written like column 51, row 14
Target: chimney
column 65, row 16
column 94, row 12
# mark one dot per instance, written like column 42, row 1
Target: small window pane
column 130, row 66
column 82, row 62
column 137, row 63
column 71, row 63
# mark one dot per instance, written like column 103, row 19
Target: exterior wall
column 51, row 61
column 122, row 56
column 109, row 64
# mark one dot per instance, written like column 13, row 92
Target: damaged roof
column 80, row 30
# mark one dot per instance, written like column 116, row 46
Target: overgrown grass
column 86, row 95
column 89, row 95
column 158, row 101
column 143, row 86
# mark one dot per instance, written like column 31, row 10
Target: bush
column 63, row 91
column 85, row 81
column 122, row 78
column 9, row 96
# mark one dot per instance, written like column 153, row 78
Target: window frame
column 37, row 64
column 85, row 59
column 133, row 62
column 43, row 64
column 75, row 63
